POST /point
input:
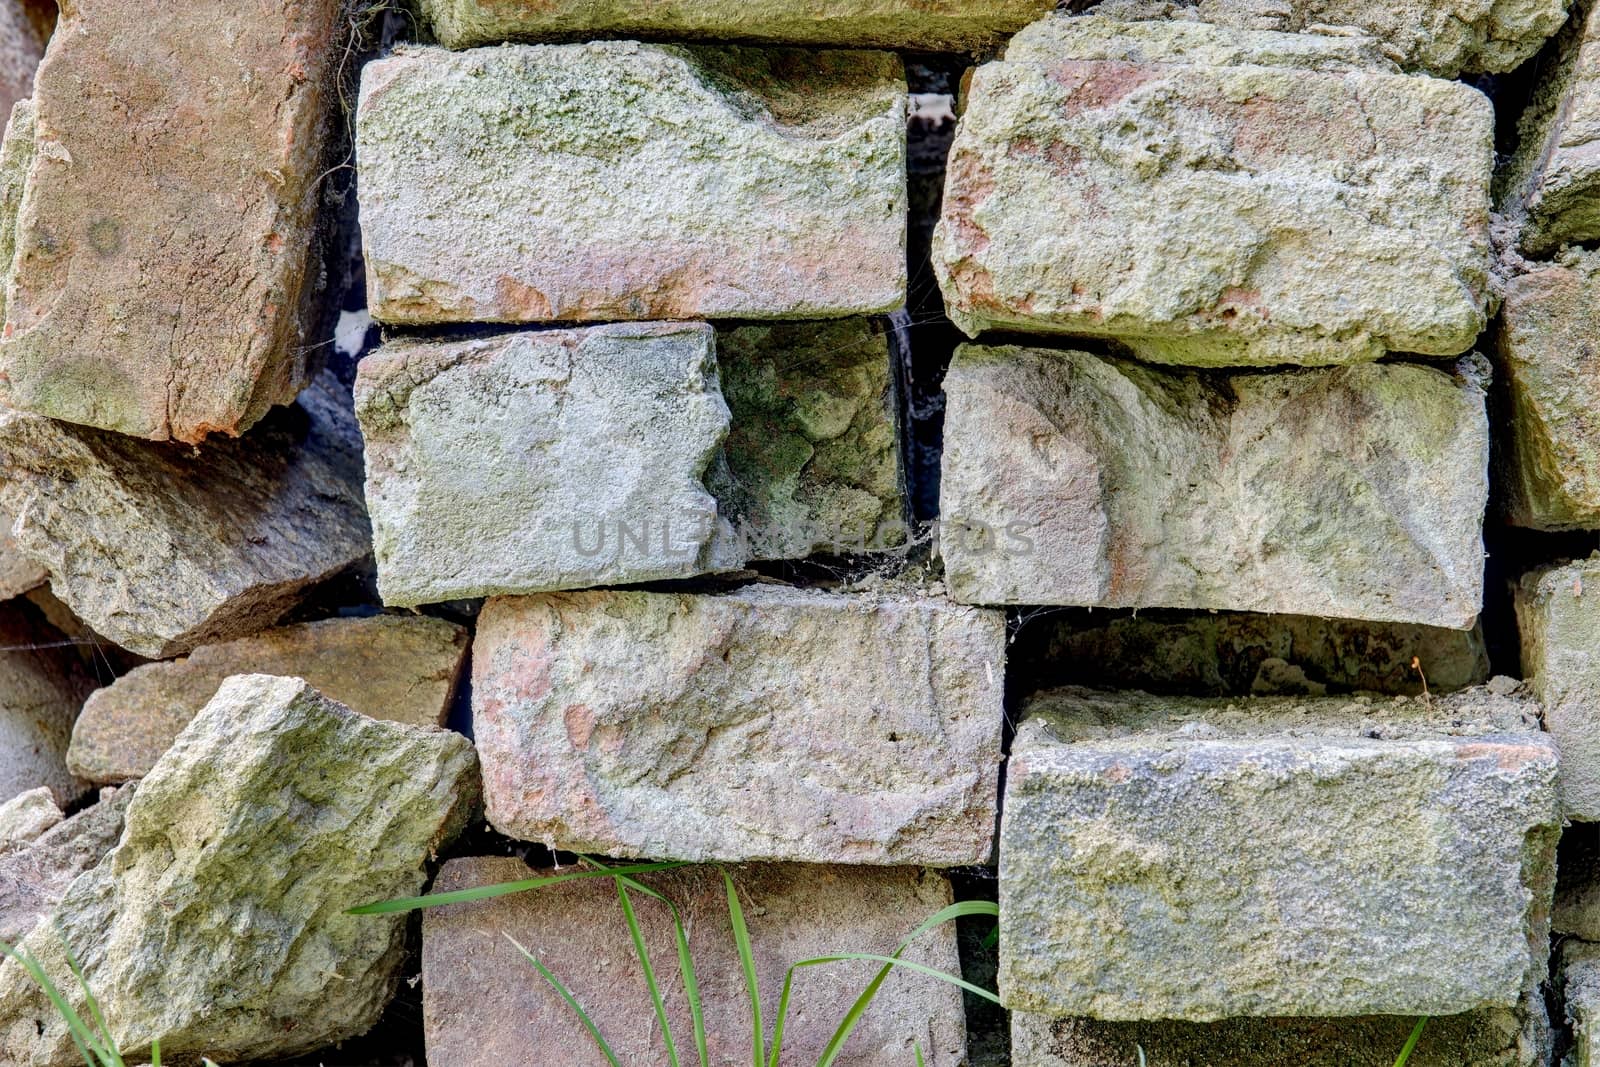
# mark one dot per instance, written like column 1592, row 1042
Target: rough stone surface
column 933, row 25
column 1549, row 185
column 1558, row 617
column 536, row 461
column 26, row 816
column 35, row 876
column 764, row 724
column 1497, row 1037
column 1440, row 37
column 1216, row 214
column 1352, row 492
column 617, row 180
column 21, row 48
column 1580, row 988
column 162, row 548
column 42, row 686
column 274, row 812
column 812, row 461
column 1188, row 859
column 18, row 573
column 484, row 1007
column 392, row 667
column 159, row 267
column 1550, row 435
column 1240, row 654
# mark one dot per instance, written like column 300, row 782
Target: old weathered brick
column 812, row 460
column 1182, row 858
column 161, row 548
column 168, row 179
column 536, row 461
column 1549, row 348
column 1440, row 37
column 1351, row 492
column 618, row 180
column 1211, row 209
column 935, row 25
column 1558, row 617
column 483, row 1006
column 764, row 724
column 397, row 668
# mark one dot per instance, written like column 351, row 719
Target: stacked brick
column 1258, row 331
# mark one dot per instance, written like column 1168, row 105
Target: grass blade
column 917, row 1047
column 82, row 1039
column 741, row 938
column 649, row 971
column 155, row 1053
column 499, row 889
column 103, row 1046
column 783, row 1013
column 691, row 986
column 572, row 1002
column 1411, row 1042
column 847, row 1025
column 892, row 962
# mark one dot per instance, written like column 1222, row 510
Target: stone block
column 26, row 816
column 484, row 1006
column 42, row 685
column 1211, row 213
column 1351, row 492
column 18, row 573
column 1558, row 617
column 274, row 812
column 618, row 180
column 34, row 876
column 392, row 667
column 161, row 548
column 1549, row 186
column 159, row 273
column 1181, row 858
column 764, row 724
column 535, row 461
column 928, row 25
column 812, row 459
column 1580, row 991
column 1440, row 37
column 1550, row 434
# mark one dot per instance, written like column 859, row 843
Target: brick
column 618, row 180
column 926, row 25
column 162, row 548
column 536, row 461
column 396, row 668
column 1558, row 618
column 763, row 724
column 484, row 1006
column 1179, row 858
column 1212, row 211
column 1351, row 492
column 1550, row 462
column 159, row 272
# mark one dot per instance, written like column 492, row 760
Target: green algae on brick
column 624, row 181
column 812, row 457
column 1183, row 858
